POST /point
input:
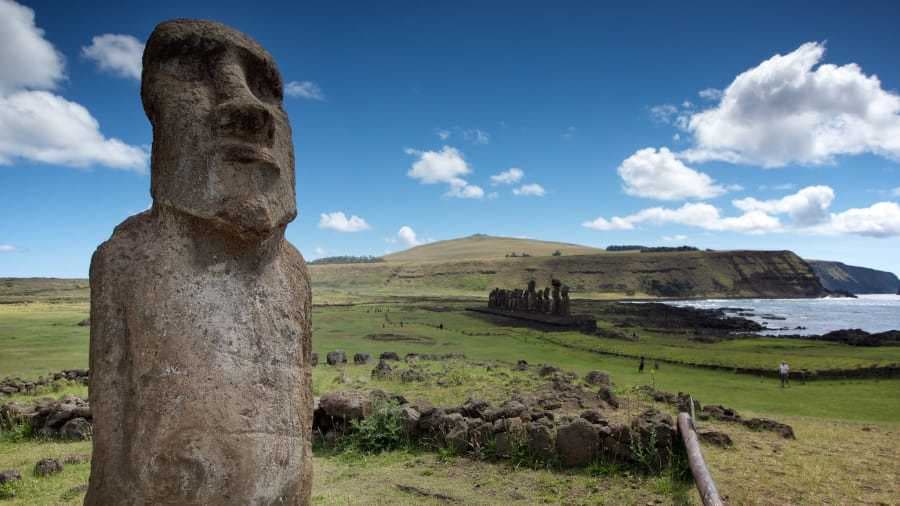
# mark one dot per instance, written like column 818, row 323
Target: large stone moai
column 200, row 309
column 532, row 297
column 556, row 308
column 564, row 293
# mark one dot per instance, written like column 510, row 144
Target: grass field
column 847, row 430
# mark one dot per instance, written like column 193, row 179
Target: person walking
column 784, row 370
column 641, row 366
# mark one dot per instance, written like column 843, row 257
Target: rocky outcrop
column 68, row 418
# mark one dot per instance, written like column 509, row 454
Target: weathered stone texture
column 200, row 309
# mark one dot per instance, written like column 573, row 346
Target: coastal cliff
column 837, row 276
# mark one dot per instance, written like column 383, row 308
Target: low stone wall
column 13, row 386
column 585, row 323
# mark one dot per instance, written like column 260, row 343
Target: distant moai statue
column 200, row 309
column 565, row 301
column 546, row 308
column 532, row 297
column 555, row 308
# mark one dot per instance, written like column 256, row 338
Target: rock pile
column 12, row 386
column 68, row 418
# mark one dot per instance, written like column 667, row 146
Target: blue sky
column 403, row 111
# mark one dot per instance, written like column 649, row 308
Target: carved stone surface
column 200, row 309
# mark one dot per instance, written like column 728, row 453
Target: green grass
column 37, row 338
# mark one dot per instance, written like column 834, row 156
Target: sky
column 763, row 126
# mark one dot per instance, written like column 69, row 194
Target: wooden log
column 705, row 484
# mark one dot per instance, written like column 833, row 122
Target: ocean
column 872, row 313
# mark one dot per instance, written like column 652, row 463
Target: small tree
column 557, row 253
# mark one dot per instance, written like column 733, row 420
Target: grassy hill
column 486, row 247
column 472, row 265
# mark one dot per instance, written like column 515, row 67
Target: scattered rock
column 715, row 438
column 361, row 358
column 547, row 370
column 594, row 416
column 9, row 475
column 314, row 359
column 85, row 323
column 608, row 396
column 784, row 430
column 409, row 417
column 336, row 357
column 346, row 405
column 76, row 429
column 46, row 467
column 389, row 355
column 577, row 443
column 718, row 412
column 541, row 441
column 382, row 370
column 76, row 458
column 597, row 378
column 521, row 365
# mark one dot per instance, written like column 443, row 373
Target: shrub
column 380, row 432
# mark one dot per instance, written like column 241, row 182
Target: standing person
column 784, row 370
column 641, row 366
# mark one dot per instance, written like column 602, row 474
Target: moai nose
column 246, row 119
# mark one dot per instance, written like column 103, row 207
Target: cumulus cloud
column 511, row 176
column 462, row 190
column 338, row 221
column 38, row 125
column 444, row 166
column 119, row 54
column 674, row 238
column 530, row 190
column 7, row 248
column 658, row 174
column 664, row 113
column 443, row 134
column 29, row 60
column 793, row 108
column 408, row 236
column 879, row 220
column 304, row 89
column 700, row 215
column 807, row 207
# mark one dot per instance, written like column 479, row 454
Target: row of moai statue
column 553, row 299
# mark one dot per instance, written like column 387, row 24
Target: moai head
column 531, row 286
column 222, row 148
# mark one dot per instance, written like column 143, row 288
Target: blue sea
column 872, row 313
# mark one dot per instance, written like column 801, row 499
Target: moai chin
column 200, row 309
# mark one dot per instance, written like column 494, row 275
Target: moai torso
column 200, row 309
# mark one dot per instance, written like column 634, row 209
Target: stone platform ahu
column 200, row 309
column 550, row 306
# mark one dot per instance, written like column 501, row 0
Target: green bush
column 380, row 432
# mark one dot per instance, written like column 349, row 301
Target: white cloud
column 443, row 134
column 530, row 190
column 794, row 109
column 807, row 207
column 663, row 113
column 304, row 89
column 710, row 94
column 569, row 133
column 492, row 195
column 28, row 59
column 408, row 236
column 660, row 175
column 7, row 248
column 476, row 136
column 700, row 215
column 38, row 125
column 511, row 176
column 444, row 166
column 462, row 190
column 119, row 54
column 46, row 128
column 674, row 238
column 879, row 220
column 338, row 221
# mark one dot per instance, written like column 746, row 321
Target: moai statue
column 546, row 309
column 200, row 309
column 532, row 298
column 555, row 308
column 565, row 301
column 539, row 302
